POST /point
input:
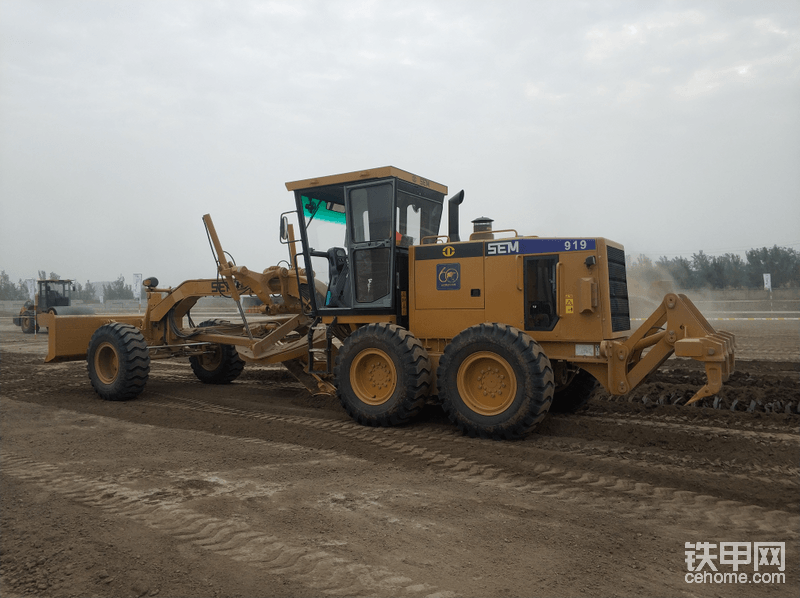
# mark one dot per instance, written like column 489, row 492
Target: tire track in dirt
column 685, row 419
column 680, row 427
column 560, row 483
column 785, row 476
column 775, row 474
column 319, row 570
column 666, row 422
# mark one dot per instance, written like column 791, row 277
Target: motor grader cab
column 356, row 231
column 378, row 307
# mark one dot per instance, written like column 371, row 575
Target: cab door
column 370, row 220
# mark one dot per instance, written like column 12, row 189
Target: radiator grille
column 618, row 290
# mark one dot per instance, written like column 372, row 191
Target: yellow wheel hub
column 106, row 363
column 373, row 376
column 211, row 361
column 486, row 382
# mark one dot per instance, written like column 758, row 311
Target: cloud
column 607, row 42
column 538, row 91
column 136, row 118
column 707, row 81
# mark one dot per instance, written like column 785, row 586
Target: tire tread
column 416, row 371
column 538, row 381
column 134, row 361
column 231, row 367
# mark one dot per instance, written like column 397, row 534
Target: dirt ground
column 259, row 489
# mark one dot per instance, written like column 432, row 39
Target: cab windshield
column 352, row 231
column 325, row 227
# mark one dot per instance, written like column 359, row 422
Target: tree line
column 728, row 271
column 88, row 293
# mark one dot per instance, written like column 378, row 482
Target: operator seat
column 339, row 294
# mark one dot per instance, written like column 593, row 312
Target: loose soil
column 259, row 489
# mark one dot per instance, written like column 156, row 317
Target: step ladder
column 318, row 366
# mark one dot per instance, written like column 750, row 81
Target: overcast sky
column 671, row 127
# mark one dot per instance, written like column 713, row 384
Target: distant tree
column 728, row 271
column 644, row 270
column 705, row 270
column 54, row 276
column 679, row 269
column 782, row 263
column 10, row 291
column 23, row 285
column 87, row 292
column 734, row 271
column 117, row 290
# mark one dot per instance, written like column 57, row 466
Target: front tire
column 220, row 365
column 495, row 382
column 118, row 362
column 383, row 375
column 28, row 322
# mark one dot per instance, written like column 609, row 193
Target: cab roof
column 361, row 176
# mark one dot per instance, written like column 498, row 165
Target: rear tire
column 118, row 362
column 383, row 375
column 574, row 395
column 221, row 365
column 495, row 382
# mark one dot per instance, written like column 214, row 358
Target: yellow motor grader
column 378, row 307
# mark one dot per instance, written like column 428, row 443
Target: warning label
column 570, row 305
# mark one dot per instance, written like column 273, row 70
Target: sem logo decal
column 502, row 248
column 448, row 251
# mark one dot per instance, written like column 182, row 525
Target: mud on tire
column 220, row 365
column 495, row 381
column 118, row 361
column 383, row 375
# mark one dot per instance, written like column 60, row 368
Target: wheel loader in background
column 52, row 296
column 378, row 307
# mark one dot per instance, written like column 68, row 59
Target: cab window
column 540, row 293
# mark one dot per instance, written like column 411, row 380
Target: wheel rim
column 211, row 361
column 486, row 382
column 106, row 363
column 373, row 376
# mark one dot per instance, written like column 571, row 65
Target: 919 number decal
column 574, row 245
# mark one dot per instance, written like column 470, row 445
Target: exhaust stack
column 452, row 216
